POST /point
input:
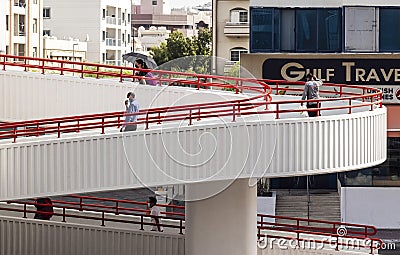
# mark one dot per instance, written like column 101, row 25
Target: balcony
column 111, row 42
column 237, row 29
column 20, row 3
column 111, row 20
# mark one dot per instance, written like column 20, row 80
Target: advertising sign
column 380, row 73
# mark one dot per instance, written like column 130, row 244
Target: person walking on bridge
column 131, row 106
column 311, row 91
column 154, row 211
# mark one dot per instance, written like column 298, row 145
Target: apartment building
column 231, row 29
column 21, row 27
column 104, row 24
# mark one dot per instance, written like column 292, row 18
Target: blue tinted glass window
column 264, row 30
column 318, row 30
column 389, row 23
column 329, row 30
column 306, row 30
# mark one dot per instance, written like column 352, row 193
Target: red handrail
column 367, row 230
column 98, row 209
column 231, row 108
column 297, row 228
column 118, row 208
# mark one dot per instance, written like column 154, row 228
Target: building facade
column 340, row 41
column 103, row 24
column 231, row 29
column 21, row 27
column 71, row 49
column 158, row 13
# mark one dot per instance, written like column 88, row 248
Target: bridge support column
column 225, row 223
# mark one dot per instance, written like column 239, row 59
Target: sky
column 181, row 3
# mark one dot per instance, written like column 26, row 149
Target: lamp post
column 73, row 56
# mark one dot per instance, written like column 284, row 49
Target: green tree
column 202, row 42
column 160, row 53
column 178, row 46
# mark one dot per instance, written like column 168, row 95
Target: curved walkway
column 253, row 136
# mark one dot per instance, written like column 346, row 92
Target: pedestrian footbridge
column 61, row 135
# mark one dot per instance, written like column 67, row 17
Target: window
column 47, row 32
column 235, row 53
column 21, row 50
column 104, row 36
column 129, row 38
column 154, row 2
column 329, row 30
column 123, row 16
column 318, row 30
column 34, row 53
column 239, row 16
column 295, row 30
column 264, row 30
column 104, row 14
column 389, row 21
column 306, row 30
column 7, row 22
column 129, row 18
column 46, row 13
column 34, row 25
column 34, row 1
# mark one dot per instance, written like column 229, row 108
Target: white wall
column 266, row 205
column 53, row 95
column 38, row 237
column 378, row 206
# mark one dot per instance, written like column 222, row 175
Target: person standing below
column 44, row 208
column 131, row 106
column 311, row 91
column 154, row 211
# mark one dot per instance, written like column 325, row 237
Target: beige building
column 21, row 27
column 231, row 33
column 69, row 49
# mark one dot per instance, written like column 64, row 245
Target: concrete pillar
column 225, row 223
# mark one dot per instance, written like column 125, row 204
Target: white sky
column 181, row 3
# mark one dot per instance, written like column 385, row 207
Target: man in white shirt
column 155, row 212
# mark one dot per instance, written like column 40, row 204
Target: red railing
column 341, row 232
column 189, row 113
column 105, row 211
column 118, row 208
column 305, row 230
column 310, row 225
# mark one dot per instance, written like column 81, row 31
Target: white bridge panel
column 288, row 147
column 37, row 237
column 27, row 96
